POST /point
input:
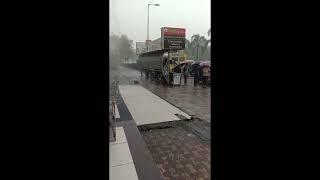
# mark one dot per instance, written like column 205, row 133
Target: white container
column 176, row 78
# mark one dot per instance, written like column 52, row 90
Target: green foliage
column 120, row 48
column 199, row 47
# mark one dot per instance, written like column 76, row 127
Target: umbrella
column 193, row 67
column 187, row 62
column 205, row 63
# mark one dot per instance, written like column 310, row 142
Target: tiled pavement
column 121, row 163
column 178, row 153
column 193, row 100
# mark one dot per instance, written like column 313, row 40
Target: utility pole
column 148, row 25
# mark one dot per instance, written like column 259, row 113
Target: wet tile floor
column 178, row 153
column 192, row 100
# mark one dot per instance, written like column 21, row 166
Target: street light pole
column 148, row 25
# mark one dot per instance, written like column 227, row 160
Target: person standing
column 205, row 75
column 185, row 74
column 210, row 76
column 171, row 67
column 196, row 75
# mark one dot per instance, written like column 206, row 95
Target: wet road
column 194, row 101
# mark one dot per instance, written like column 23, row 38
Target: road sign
column 173, row 38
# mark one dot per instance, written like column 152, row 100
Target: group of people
column 200, row 74
column 201, row 71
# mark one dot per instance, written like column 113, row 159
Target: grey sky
column 130, row 17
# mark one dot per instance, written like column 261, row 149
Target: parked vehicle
column 158, row 59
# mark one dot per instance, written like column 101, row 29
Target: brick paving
column 178, row 153
column 192, row 100
column 181, row 151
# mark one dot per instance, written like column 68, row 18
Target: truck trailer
column 159, row 58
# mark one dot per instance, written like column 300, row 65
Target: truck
column 159, row 59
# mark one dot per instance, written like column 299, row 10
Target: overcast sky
column 130, row 17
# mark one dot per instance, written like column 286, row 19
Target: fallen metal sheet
column 147, row 108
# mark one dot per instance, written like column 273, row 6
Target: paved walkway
column 180, row 149
column 147, row 108
column 178, row 152
column 121, row 163
column 192, row 100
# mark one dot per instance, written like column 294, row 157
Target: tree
column 125, row 47
column 199, row 46
column 208, row 45
column 188, row 48
column 209, row 34
column 120, row 49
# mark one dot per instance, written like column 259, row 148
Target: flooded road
column 195, row 101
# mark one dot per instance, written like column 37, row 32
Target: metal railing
column 112, row 110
